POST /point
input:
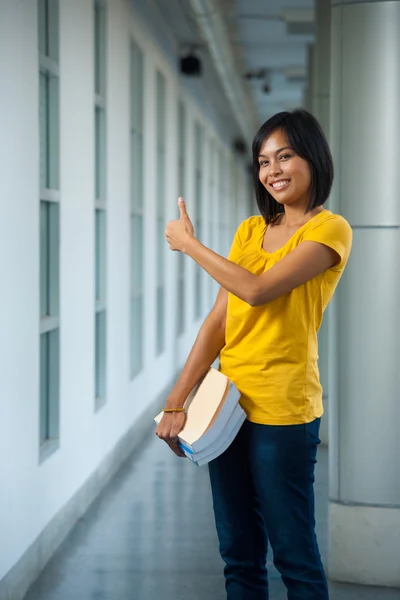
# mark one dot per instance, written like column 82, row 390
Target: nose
column 275, row 167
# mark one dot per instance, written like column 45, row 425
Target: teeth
column 280, row 184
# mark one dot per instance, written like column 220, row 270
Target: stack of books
column 214, row 417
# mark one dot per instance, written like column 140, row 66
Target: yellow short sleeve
column 335, row 233
column 237, row 243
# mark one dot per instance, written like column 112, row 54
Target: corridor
column 150, row 535
column 112, row 109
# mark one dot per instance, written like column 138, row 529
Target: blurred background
column 110, row 110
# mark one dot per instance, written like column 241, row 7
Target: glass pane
column 43, row 127
column 161, row 249
column 54, row 382
column 220, row 240
column 49, row 385
column 160, row 334
column 182, row 148
column 100, row 255
column 49, row 131
column 181, row 178
column 137, row 254
column 42, row 22
column 198, row 292
column 182, row 129
column 180, row 317
column 54, row 259
column 198, row 145
column 137, row 88
column 199, row 229
column 199, row 200
column 136, row 335
column 99, row 49
column 211, row 161
column 199, row 181
column 211, row 194
column 49, row 259
column 44, row 259
column 211, row 289
column 137, row 171
column 181, row 265
column 53, row 30
column 44, row 388
column 160, row 183
column 100, row 152
column 211, row 235
column 225, row 240
column 100, row 354
column 160, row 110
column 53, row 134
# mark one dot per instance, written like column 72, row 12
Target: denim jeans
column 263, row 490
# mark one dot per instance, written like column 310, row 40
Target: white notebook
column 209, row 407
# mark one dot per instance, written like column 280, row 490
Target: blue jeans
column 263, row 489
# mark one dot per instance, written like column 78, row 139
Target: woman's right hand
column 168, row 429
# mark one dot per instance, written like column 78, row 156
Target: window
column 180, row 317
column 223, row 243
column 100, row 237
column 160, row 193
column 49, row 207
column 211, row 200
column 136, row 213
column 199, row 214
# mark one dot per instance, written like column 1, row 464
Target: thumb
column 182, row 207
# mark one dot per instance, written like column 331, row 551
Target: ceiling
column 273, row 35
column 269, row 40
column 177, row 22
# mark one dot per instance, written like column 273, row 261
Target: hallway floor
column 150, row 535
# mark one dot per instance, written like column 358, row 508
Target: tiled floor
column 151, row 536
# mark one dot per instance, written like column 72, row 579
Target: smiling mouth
column 280, row 185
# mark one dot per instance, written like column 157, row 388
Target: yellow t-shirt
column 271, row 351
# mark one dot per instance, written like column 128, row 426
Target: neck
column 295, row 216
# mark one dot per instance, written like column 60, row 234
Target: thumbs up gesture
column 179, row 232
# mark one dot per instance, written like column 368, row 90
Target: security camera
column 191, row 65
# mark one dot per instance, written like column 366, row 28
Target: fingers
column 168, row 430
column 182, row 207
column 172, row 443
column 174, row 447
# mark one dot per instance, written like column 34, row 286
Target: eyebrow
column 277, row 152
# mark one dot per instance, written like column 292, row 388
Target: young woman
column 280, row 275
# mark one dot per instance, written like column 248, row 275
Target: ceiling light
column 299, row 21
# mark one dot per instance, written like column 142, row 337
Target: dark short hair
column 307, row 139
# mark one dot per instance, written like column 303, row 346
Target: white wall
column 32, row 492
column 21, row 478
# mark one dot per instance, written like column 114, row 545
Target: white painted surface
column 364, row 544
column 31, row 493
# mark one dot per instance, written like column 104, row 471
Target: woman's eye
column 263, row 163
column 286, row 156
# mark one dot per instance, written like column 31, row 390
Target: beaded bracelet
column 172, row 410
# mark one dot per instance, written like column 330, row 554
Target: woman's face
column 284, row 174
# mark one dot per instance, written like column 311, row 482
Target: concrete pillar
column 320, row 107
column 308, row 90
column 364, row 507
column 322, row 64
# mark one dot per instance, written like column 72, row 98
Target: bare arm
column 209, row 342
column 306, row 261
column 206, row 348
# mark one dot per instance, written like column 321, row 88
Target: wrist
column 189, row 245
column 174, row 403
column 171, row 411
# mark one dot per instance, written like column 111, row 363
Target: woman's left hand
column 180, row 231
